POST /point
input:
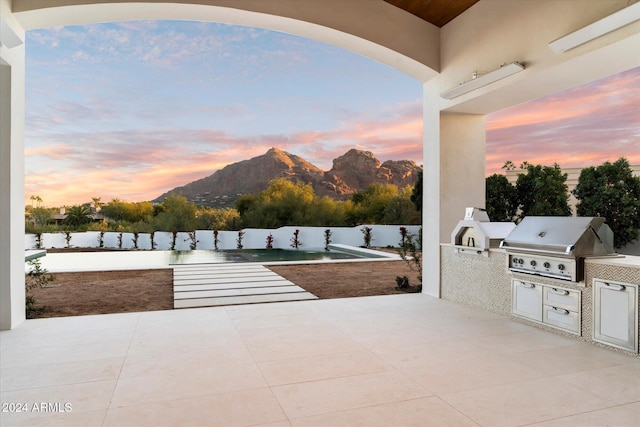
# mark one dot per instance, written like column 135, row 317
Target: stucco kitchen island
column 609, row 285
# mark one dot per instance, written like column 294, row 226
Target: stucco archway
column 488, row 34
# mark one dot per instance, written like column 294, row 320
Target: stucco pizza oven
column 476, row 234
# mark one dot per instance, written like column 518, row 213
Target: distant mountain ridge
column 351, row 172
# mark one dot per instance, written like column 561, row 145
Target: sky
column 130, row 110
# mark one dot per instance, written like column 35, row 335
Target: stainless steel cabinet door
column 615, row 310
column 527, row 300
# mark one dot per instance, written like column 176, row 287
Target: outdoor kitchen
column 561, row 274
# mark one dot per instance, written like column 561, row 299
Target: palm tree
column 97, row 204
column 78, row 215
column 36, row 199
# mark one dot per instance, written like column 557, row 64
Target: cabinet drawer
column 561, row 318
column 562, row 298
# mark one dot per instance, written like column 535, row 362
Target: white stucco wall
column 12, row 63
column 254, row 238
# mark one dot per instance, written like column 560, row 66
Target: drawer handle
column 615, row 287
column 559, row 291
column 560, row 310
column 528, row 285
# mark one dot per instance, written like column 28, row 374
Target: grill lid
column 561, row 236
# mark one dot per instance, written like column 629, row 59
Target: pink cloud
column 141, row 165
column 583, row 126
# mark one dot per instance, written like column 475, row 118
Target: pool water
column 141, row 260
column 256, row 255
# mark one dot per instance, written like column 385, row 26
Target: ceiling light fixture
column 480, row 80
column 599, row 28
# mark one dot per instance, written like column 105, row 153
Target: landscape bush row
column 283, row 203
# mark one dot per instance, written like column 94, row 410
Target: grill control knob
column 533, row 263
column 547, row 265
column 560, row 267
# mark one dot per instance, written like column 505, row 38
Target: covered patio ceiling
column 436, row 12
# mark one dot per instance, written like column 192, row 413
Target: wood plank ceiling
column 437, row 12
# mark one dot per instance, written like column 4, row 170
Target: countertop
column 624, row 260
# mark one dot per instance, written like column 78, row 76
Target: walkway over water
column 208, row 285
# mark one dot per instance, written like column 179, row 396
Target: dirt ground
column 74, row 294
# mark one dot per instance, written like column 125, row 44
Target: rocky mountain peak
column 351, row 172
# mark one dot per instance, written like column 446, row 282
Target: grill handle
column 560, row 310
column 615, row 287
column 566, row 250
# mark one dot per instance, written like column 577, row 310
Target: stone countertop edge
column 622, row 260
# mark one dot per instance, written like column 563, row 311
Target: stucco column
column 12, row 75
column 454, row 178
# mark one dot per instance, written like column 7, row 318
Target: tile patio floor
column 399, row 360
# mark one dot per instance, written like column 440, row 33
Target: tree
column 179, row 215
column 611, row 191
column 509, row 165
column 244, row 203
column 115, row 210
column 36, row 199
column 542, row 191
column 217, row 219
column 416, row 193
column 41, row 216
column 501, row 201
column 401, row 209
column 78, row 215
column 282, row 203
column 119, row 210
column 369, row 205
column 97, row 204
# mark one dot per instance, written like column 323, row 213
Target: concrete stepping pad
column 208, row 285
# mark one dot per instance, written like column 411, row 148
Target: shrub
column 411, row 254
column 295, row 240
column 216, row 239
column 36, row 277
column 368, row 236
column 67, row 238
column 192, row 239
column 327, row 239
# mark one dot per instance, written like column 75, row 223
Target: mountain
column 351, row 172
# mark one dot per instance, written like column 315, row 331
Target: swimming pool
column 259, row 255
column 142, row 260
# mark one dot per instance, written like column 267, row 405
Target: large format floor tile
column 400, row 360
column 424, row 412
column 524, row 402
column 314, row 368
column 339, row 394
column 190, row 382
column 240, row 408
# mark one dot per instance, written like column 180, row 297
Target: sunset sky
column 131, row 110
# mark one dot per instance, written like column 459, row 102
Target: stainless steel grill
column 557, row 246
